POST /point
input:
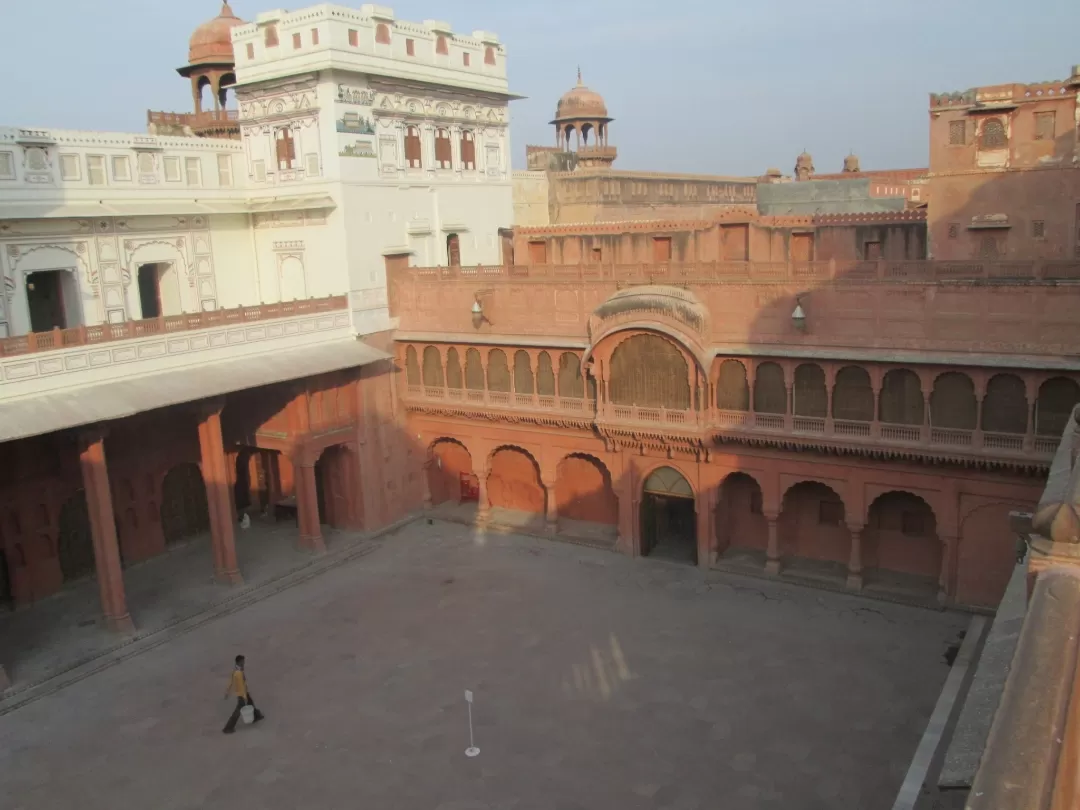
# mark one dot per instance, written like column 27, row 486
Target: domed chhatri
column 212, row 41
column 580, row 102
column 581, row 126
column 804, row 166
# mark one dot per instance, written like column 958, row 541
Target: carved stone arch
column 674, row 464
column 162, row 251
column 603, row 348
column 652, row 370
column 414, row 106
column 69, row 258
column 584, row 489
column 515, row 479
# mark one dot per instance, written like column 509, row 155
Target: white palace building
column 207, row 303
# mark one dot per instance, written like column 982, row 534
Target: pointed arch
column 514, row 480
column 584, row 491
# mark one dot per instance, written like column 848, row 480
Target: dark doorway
column 453, row 250
column 75, row 541
column 150, row 290
column 6, row 598
column 45, row 298
column 668, row 517
column 251, row 490
column 321, row 471
column 185, row 512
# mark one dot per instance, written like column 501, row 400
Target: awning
column 58, row 410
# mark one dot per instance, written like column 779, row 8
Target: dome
column 581, row 102
column 212, row 41
column 805, row 159
column 851, row 164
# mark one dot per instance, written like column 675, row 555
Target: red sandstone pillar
column 307, row 506
column 705, row 543
column 110, row 577
column 215, row 472
column 950, row 549
column 772, row 551
column 855, row 568
column 483, row 507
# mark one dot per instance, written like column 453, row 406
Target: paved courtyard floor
column 600, row 682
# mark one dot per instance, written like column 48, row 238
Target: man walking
column 238, row 686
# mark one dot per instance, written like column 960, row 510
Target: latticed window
column 648, row 371
column 433, row 372
column 474, row 371
column 523, row 378
column 732, row 392
column 468, row 151
column 453, row 369
column 957, row 133
column 443, row 153
column 413, row 149
column 1057, row 397
column 811, row 395
column 1038, row 229
column 412, row 367
column 770, row 393
column 285, row 148
column 989, row 246
column 571, row 384
column 901, row 398
column 993, row 134
column 1044, row 126
column 498, row 373
column 952, row 402
column 954, row 230
column 1005, row 407
column 545, row 376
column 853, row 395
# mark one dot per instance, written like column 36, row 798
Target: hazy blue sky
column 694, row 85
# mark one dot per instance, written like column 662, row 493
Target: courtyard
column 600, row 682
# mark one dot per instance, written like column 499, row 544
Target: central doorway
column 668, row 517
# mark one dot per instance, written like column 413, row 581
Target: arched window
column 498, row 373
column 453, row 369
column 571, row 384
column 1057, row 397
column 853, row 395
column 443, row 153
column 270, row 36
column 523, row 376
column 810, row 395
column 1005, row 407
column 770, row 392
column 382, row 34
column 650, row 372
column 413, row 149
column 474, row 371
column 441, row 46
column 453, row 250
column 901, row 398
column 732, row 392
column 412, row 367
column 545, row 376
column 468, row 151
column 993, row 134
column 433, row 372
column 952, row 402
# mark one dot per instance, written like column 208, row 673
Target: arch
column 74, row 540
column 812, row 524
column 740, row 520
column 498, row 373
column 545, row 376
column 523, row 375
column 412, row 367
column 993, row 134
column 161, row 252
column 810, row 397
column 649, row 371
column 952, row 402
column 441, row 46
column 770, row 390
column 901, row 401
column 474, row 371
column 450, row 472
column 382, row 34
column 1005, row 406
column 571, row 383
column 901, row 536
column 514, row 481
column 453, row 242
column 668, row 516
column 667, row 481
column 71, row 286
column 986, row 557
column 732, row 390
column 201, row 85
column 334, row 492
column 1057, row 398
column 185, row 512
column 225, row 84
column 433, row 370
column 583, row 490
column 453, row 369
column 586, row 130
column 853, row 395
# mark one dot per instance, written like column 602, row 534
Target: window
column 661, row 248
column 296, row 41
column 443, row 156
column 314, row 36
column 993, row 134
column 441, row 47
column 493, row 159
column 95, row 170
column 172, row 169
column 916, row 194
column 121, row 168
column 871, row 251
column 193, row 170
column 453, row 250
column 52, row 297
column 468, row 151
column 465, row 58
column 954, row 230
column 830, row 513
column 224, row 170
column 258, row 170
column 957, row 133
column 145, row 163
column 250, row 51
column 989, row 246
column 596, row 255
column 382, row 34
column 311, row 164
column 1044, row 126
column 489, row 55
column 7, row 165
column 410, row 47
column 285, row 149
column 1038, row 229
column 69, row 167
column 354, row 38
column 413, row 149
column 538, row 252
column 271, row 36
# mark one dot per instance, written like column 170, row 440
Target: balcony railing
column 128, row 330
column 734, row 423
column 207, row 118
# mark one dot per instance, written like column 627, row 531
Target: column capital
column 91, row 435
column 209, row 407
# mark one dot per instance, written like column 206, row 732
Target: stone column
column 215, row 473
column 855, row 567
column 950, row 548
column 483, row 509
column 307, row 506
column 95, row 475
column 772, row 551
column 705, row 541
column 552, row 511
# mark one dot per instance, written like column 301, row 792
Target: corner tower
column 581, row 127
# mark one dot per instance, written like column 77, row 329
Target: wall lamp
column 478, row 315
column 798, row 316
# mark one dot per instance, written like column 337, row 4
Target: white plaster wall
column 235, row 261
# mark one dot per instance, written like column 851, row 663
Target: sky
column 699, row 86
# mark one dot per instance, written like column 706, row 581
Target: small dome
column 851, row 163
column 581, row 102
column 212, row 41
column 805, row 159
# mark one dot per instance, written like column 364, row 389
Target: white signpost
column 472, row 750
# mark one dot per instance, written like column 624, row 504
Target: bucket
column 247, row 714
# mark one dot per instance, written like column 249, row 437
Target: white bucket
column 247, row 714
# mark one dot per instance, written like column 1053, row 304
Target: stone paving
column 600, row 681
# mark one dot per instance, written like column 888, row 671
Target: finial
column 579, row 76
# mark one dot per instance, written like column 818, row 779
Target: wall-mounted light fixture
column 478, row 316
column 798, row 316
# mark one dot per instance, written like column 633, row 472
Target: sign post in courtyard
column 472, row 750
